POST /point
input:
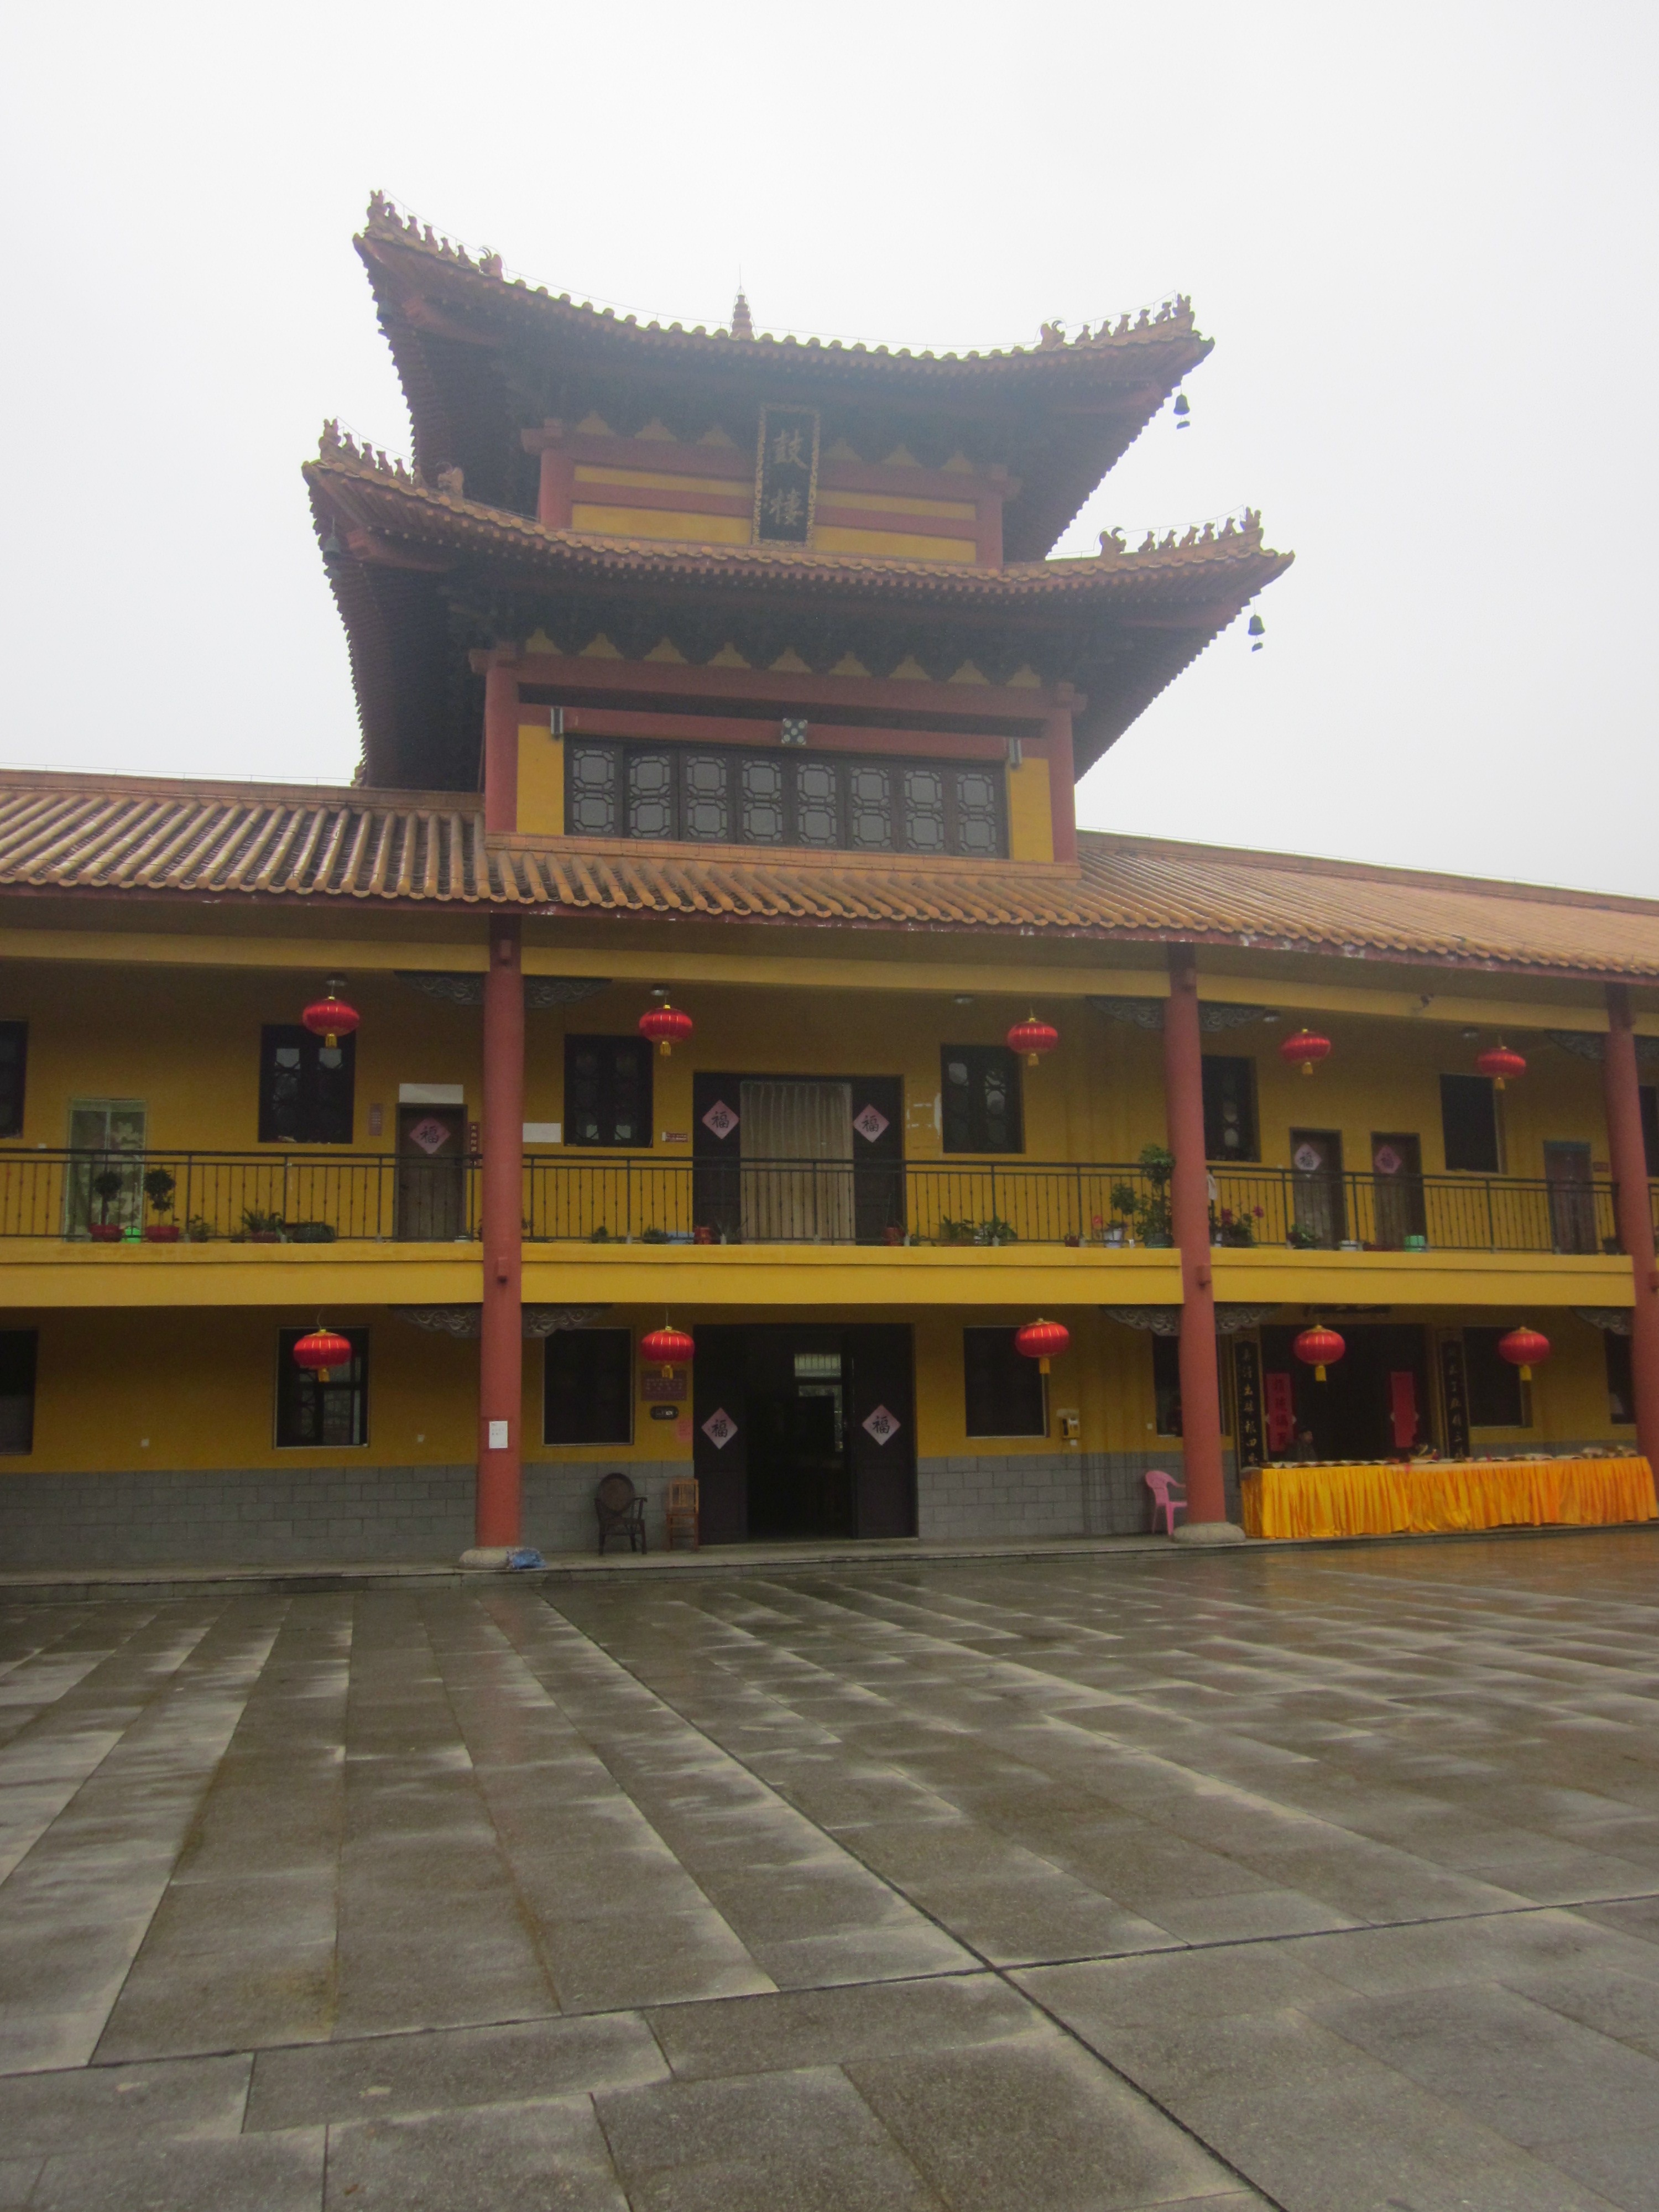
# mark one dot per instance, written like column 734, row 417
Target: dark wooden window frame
column 1458, row 1096
column 687, row 794
column 13, row 1073
column 299, row 1393
column 642, row 1142
column 980, row 1059
column 20, row 1353
column 1497, row 1398
column 319, row 1119
column 1001, row 1390
column 577, row 1345
column 1217, row 1069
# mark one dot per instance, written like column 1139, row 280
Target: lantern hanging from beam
column 1524, row 1348
column 1305, row 1050
column 666, row 1026
column 1033, row 1038
column 1319, row 1347
column 1043, row 1340
column 667, row 1348
column 322, row 1350
column 329, row 1017
column 1499, row 1061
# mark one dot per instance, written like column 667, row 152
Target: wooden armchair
column 683, row 1512
column 620, row 1507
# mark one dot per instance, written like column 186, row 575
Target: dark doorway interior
column 801, row 1432
column 1375, row 1402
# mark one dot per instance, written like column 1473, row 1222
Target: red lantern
column 667, row 1025
column 1033, row 1038
column 1043, row 1340
column 330, row 1018
column 320, row 1351
column 1524, row 1348
column 1498, row 1061
column 1304, row 1048
column 667, row 1348
column 1319, row 1347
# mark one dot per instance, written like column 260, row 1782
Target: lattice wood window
column 849, row 802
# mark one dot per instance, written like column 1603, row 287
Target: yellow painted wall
column 154, row 1388
column 891, row 544
column 541, row 781
column 1030, row 817
column 662, row 522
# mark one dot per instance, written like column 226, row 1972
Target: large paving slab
column 1321, row 1880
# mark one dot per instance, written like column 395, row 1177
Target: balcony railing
column 318, row 1197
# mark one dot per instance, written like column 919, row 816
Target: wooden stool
column 681, row 1512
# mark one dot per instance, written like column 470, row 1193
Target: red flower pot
column 263, row 1236
column 105, row 1232
column 162, row 1233
column 702, row 1236
column 892, row 1234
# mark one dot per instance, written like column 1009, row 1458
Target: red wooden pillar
column 1062, row 772
column 500, row 742
column 501, row 1357
column 1189, row 1191
column 1628, row 1155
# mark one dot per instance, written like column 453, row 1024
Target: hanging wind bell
column 1183, row 413
column 1256, row 629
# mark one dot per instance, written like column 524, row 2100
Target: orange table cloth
column 1423, row 1495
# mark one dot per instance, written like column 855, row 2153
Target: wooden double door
column 801, row 1431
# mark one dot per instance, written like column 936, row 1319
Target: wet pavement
column 1324, row 1879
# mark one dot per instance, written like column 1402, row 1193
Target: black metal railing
column 1407, row 1212
column 319, row 1197
column 274, row 1198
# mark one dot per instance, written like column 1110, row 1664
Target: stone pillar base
column 485, row 1556
column 1203, row 1532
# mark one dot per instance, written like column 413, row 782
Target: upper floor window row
column 842, row 802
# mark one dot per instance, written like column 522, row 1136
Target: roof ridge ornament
column 337, row 443
column 743, row 323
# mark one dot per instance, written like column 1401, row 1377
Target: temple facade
column 713, row 947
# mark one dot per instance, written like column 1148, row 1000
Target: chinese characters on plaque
column 1453, row 1390
column 785, row 475
column 1246, row 1396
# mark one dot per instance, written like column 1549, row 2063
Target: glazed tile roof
column 380, row 496
column 149, row 838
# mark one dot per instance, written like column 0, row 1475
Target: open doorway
column 1375, row 1402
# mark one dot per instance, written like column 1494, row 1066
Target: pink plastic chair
column 1165, row 1499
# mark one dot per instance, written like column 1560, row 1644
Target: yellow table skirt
column 1425, row 1496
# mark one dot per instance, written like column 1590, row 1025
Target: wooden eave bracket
column 432, row 322
column 370, row 545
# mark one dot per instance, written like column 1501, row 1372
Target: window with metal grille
column 305, row 1086
column 1003, row 1390
column 980, row 1084
column 312, row 1412
column 607, row 1091
column 696, row 794
column 587, row 1386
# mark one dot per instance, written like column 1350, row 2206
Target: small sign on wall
column 664, row 1389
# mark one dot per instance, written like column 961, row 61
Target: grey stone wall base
column 1064, row 1493
column 255, row 1516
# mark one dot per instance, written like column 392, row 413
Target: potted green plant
column 159, row 1184
column 198, row 1229
column 106, row 1186
column 260, row 1227
column 1145, row 1204
column 1302, row 1236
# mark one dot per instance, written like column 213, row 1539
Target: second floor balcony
column 321, row 1197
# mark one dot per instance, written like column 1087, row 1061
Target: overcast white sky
column 1422, row 236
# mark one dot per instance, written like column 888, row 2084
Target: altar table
column 1420, row 1497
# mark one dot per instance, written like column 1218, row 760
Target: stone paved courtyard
column 1323, row 1879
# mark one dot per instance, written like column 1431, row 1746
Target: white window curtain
column 809, row 1126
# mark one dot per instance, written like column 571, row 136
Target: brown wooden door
column 1572, row 1200
column 1397, row 1188
column 1318, row 1211
column 431, row 1174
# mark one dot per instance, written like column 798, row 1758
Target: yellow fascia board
column 1324, row 998
column 1504, row 1279
column 814, row 1276
column 170, row 949
column 46, row 1271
